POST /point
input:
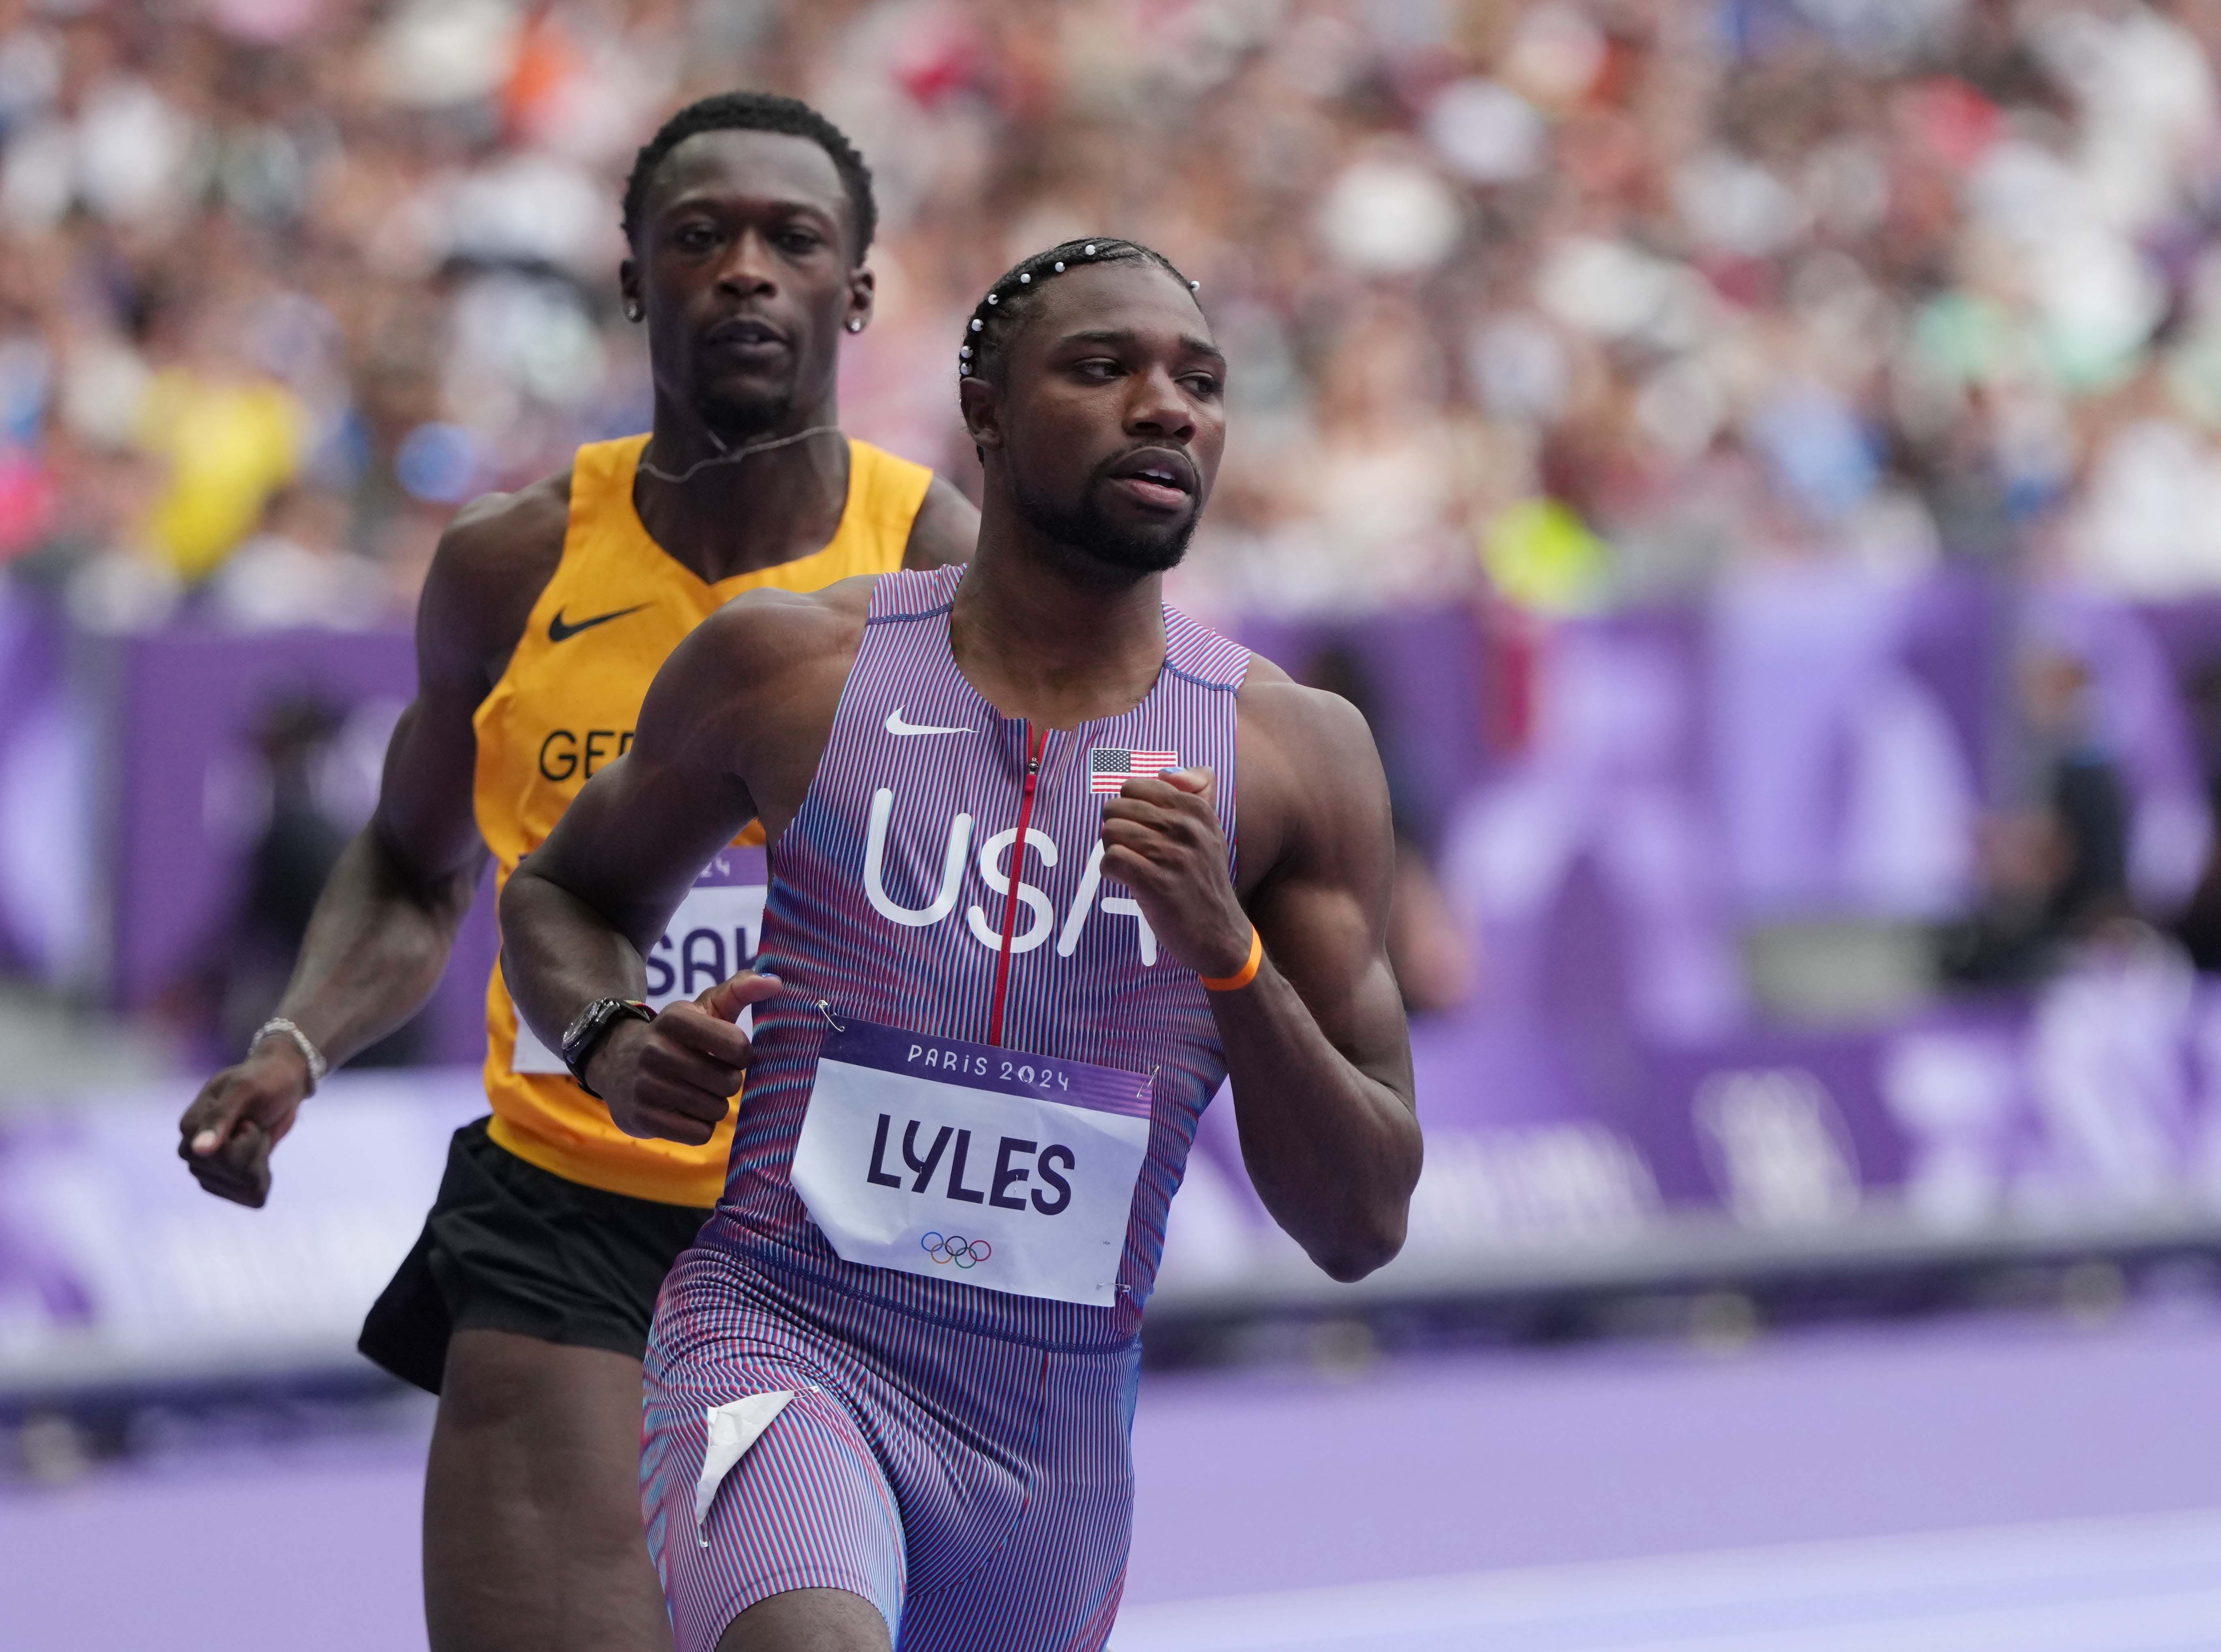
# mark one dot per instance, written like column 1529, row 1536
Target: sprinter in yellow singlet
column 526, row 1302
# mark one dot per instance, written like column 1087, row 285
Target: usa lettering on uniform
column 1040, row 914
column 955, row 1145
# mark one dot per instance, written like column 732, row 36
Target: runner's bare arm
column 1316, row 1044
column 386, row 918
column 944, row 530
column 730, row 730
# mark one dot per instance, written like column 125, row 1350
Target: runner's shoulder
column 1311, row 775
column 1299, row 723
column 763, row 634
column 945, row 529
column 498, row 538
column 494, row 558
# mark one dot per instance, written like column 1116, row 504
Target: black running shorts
column 511, row 1247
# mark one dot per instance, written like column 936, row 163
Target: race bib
column 971, row 1162
column 713, row 934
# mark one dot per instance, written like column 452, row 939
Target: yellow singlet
column 617, row 605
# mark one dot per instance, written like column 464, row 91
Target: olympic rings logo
column 955, row 1247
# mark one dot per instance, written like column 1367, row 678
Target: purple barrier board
column 185, row 706
column 2086, row 1113
column 46, row 869
column 1818, row 743
column 1416, row 673
column 116, row 1268
column 188, row 791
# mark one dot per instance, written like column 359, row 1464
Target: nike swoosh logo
column 896, row 726
column 559, row 632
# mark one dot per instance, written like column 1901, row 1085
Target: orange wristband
column 1246, row 974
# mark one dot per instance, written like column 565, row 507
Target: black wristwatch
column 585, row 1034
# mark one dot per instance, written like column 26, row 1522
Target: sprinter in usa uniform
column 1017, row 932
column 526, row 1302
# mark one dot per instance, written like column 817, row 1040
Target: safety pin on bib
column 1147, row 1093
column 826, row 1010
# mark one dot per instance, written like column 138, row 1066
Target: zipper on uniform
column 1036, row 739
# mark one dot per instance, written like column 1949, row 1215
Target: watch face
column 590, row 1018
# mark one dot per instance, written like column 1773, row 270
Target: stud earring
column 855, row 327
column 631, row 311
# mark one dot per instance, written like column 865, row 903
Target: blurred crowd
column 1578, row 303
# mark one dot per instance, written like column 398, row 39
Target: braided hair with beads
column 994, row 320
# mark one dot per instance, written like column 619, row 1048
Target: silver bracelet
column 317, row 1066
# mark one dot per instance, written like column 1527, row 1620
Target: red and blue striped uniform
column 956, row 1454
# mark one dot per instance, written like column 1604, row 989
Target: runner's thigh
column 1053, row 1583
column 807, row 1506
column 532, row 1533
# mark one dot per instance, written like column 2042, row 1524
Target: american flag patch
column 1108, row 768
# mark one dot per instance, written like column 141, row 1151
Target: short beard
column 1086, row 529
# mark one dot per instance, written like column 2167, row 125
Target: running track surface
column 2003, row 1486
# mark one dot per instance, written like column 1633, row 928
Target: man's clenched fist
column 1162, row 839
column 226, row 1135
column 674, row 1078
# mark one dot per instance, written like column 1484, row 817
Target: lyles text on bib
column 972, row 1162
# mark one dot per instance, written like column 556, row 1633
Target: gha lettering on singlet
column 972, row 1162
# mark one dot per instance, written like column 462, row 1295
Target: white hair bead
column 1090, row 249
column 1059, row 266
column 964, row 370
column 994, row 299
column 1195, row 286
column 964, row 351
column 976, row 323
column 1025, row 278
